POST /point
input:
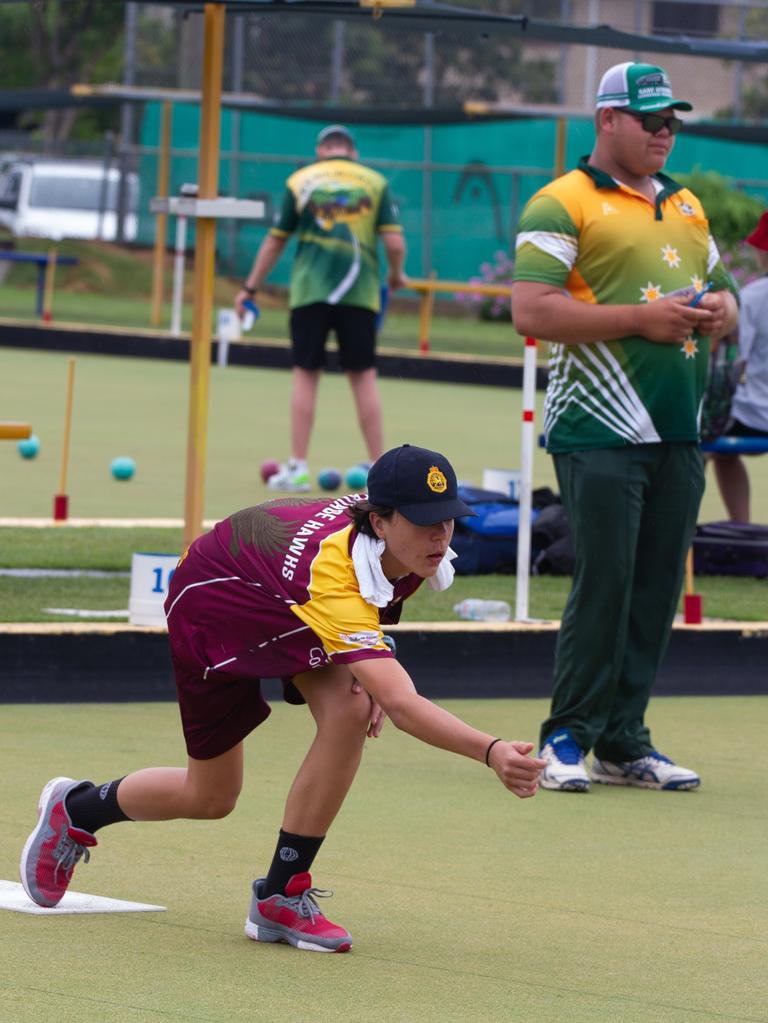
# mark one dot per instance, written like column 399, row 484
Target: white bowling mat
column 13, row 897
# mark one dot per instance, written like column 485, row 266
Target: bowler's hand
column 671, row 320
column 397, row 280
column 517, row 770
column 378, row 717
column 718, row 308
column 241, row 297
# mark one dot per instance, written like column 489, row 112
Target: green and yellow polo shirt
column 602, row 242
column 337, row 208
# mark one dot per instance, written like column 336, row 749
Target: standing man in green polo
column 339, row 209
column 616, row 266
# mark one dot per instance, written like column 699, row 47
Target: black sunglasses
column 653, row 123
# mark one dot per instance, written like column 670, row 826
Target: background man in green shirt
column 338, row 208
column 616, row 266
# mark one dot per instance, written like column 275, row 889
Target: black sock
column 94, row 806
column 294, row 854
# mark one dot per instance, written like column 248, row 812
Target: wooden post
column 161, row 220
column 50, row 274
column 562, row 129
column 692, row 603
column 425, row 315
column 205, row 247
column 61, row 500
column 15, row 431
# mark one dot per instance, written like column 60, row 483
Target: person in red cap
column 298, row 589
column 339, row 209
column 749, row 407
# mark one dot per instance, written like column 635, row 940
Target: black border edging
column 135, row 665
column 142, row 345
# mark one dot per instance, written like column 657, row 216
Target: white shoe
column 566, row 769
column 290, row 478
column 653, row 771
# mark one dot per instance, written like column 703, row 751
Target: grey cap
column 334, row 129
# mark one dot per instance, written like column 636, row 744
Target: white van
column 64, row 199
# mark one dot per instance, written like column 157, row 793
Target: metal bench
column 41, row 259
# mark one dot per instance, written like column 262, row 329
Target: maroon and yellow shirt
column 271, row 591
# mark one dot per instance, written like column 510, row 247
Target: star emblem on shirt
column 651, row 292
column 690, row 348
column 670, row 256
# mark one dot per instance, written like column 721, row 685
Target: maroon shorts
column 219, row 711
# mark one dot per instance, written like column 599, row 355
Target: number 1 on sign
column 158, row 574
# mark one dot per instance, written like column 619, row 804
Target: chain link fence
column 406, row 91
column 300, row 59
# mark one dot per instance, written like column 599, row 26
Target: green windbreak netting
column 460, row 187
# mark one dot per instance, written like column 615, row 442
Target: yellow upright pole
column 205, row 244
column 562, row 127
column 692, row 602
column 161, row 220
column 426, row 308
column 61, row 499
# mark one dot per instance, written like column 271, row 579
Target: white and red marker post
column 527, row 439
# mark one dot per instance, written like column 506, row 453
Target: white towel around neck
column 375, row 588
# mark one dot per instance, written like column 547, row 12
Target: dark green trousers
column 632, row 513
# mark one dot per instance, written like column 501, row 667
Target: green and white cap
column 641, row 87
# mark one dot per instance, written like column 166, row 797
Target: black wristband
column 488, row 752
column 249, row 291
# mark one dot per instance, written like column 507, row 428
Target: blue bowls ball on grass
column 122, row 468
column 357, row 477
column 329, row 479
column 29, row 447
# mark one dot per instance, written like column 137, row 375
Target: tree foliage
column 732, row 213
column 291, row 58
column 54, row 44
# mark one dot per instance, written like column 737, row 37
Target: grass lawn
column 465, row 904
column 105, row 549
column 138, row 407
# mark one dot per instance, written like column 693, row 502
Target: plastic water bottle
column 473, row 610
column 252, row 313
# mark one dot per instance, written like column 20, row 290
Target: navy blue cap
column 418, row 483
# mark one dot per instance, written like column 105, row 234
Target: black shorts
column 737, row 429
column 355, row 330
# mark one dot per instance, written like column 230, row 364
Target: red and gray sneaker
column 55, row 847
column 295, row 918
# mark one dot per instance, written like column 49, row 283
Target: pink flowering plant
column 496, row 308
column 741, row 262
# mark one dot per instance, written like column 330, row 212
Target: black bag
column 551, row 539
column 724, row 372
column 731, row 548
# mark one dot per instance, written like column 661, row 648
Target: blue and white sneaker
column 566, row 769
column 653, row 771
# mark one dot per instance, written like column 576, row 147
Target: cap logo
column 436, row 481
column 655, row 84
column 656, row 78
